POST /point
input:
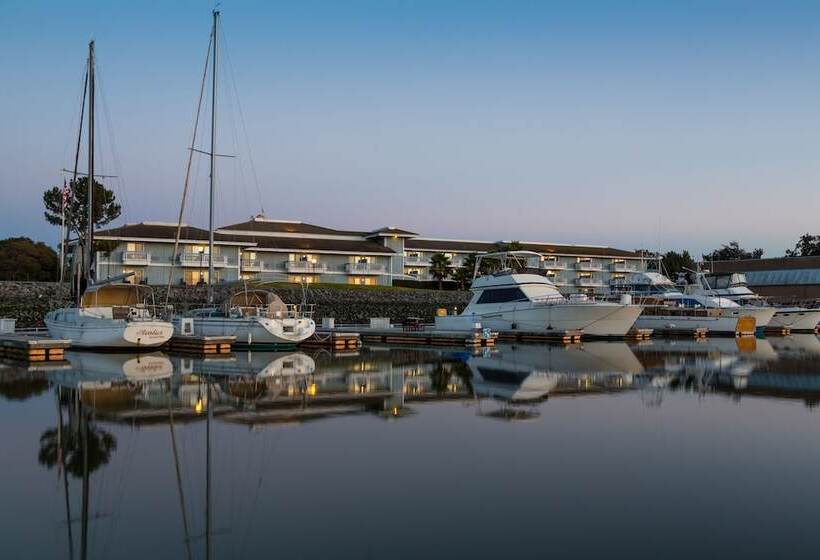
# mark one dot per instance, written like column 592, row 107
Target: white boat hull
column 594, row 319
column 796, row 320
column 254, row 330
column 111, row 333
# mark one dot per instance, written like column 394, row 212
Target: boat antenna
column 215, row 43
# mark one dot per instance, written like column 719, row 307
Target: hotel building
column 278, row 250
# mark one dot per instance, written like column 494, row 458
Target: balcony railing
column 253, row 265
column 305, row 267
column 584, row 281
column 136, row 258
column 553, row 265
column 417, row 260
column 201, row 259
column 588, row 265
column 623, row 267
column 558, row 280
column 364, row 268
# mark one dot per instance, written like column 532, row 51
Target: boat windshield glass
column 542, row 292
column 502, row 295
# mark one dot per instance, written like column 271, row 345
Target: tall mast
column 213, row 158
column 90, row 237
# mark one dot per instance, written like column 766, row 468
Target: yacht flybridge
column 732, row 286
column 511, row 300
column 667, row 307
column 106, row 315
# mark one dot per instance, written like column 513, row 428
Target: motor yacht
column 733, row 286
column 254, row 317
column 667, row 307
column 111, row 316
column 509, row 300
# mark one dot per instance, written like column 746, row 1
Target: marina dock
column 33, row 347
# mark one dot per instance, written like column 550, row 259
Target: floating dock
column 777, row 331
column 201, row 345
column 699, row 332
column 333, row 340
column 567, row 337
column 33, row 348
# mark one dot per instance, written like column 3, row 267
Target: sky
column 665, row 125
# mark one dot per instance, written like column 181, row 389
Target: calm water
column 668, row 449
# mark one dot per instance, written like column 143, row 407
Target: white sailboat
column 508, row 301
column 256, row 317
column 107, row 315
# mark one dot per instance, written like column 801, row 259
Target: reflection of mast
column 86, row 485
column 178, row 472
column 208, row 471
column 62, row 451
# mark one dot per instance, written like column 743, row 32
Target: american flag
column 66, row 194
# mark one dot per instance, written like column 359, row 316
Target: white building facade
column 290, row 251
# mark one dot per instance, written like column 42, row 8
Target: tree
column 101, row 445
column 732, row 252
column 23, row 259
column 807, row 246
column 674, row 263
column 505, row 247
column 106, row 207
column 464, row 273
column 439, row 264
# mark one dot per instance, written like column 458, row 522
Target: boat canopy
column 250, row 300
column 116, row 295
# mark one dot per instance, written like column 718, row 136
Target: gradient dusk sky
column 664, row 124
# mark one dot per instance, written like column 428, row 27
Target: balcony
column 136, row 258
column 588, row 282
column 201, row 260
column 364, row 268
column 623, row 267
column 305, row 267
column 558, row 280
column 253, row 265
column 553, row 265
column 588, row 265
column 417, row 260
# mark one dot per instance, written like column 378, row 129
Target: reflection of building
column 299, row 252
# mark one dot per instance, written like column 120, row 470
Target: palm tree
column 439, row 264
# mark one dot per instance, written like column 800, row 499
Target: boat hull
column 595, row 319
column 254, row 331
column 802, row 320
column 113, row 333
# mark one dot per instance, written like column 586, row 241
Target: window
column 302, row 279
column 502, row 295
column 362, row 281
column 135, row 247
column 302, row 257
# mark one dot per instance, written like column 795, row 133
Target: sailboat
column 109, row 314
column 254, row 317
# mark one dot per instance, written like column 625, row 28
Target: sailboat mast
column 90, row 237
column 213, row 167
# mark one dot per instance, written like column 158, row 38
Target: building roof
column 318, row 244
column 546, row 248
column 264, row 225
column 167, row 232
column 779, row 263
column 389, row 231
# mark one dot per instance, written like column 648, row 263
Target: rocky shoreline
column 28, row 302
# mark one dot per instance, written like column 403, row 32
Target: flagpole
column 62, row 234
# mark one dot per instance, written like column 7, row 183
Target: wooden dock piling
column 32, row 348
column 201, row 345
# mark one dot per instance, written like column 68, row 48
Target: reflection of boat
column 106, row 369
column 253, row 364
column 531, row 372
column 796, row 344
column 507, row 300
